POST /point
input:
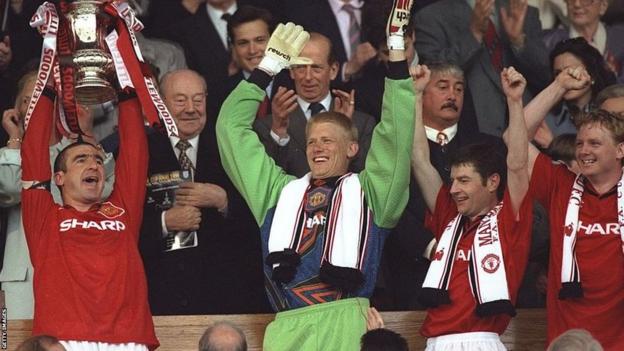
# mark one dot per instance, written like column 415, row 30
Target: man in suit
column 204, row 40
column 482, row 36
column 283, row 133
column 407, row 249
column 219, row 269
column 248, row 32
column 345, row 23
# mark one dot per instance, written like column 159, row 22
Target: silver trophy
column 95, row 69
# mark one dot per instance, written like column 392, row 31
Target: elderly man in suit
column 283, row 134
column 203, row 254
column 482, row 36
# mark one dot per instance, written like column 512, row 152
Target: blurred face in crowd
column 312, row 82
column 329, row 150
column 184, row 93
column 443, row 99
column 472, row 195
column 597, row 152
column 23, row 98
column 248, row 44
column 580, row 97
column 614, row 104
column 585, row 12
column 82, row 177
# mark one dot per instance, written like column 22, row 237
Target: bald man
column 200, row 245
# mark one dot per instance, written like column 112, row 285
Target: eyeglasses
column 582, row 2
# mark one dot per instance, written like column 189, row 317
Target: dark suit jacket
column 224, row 273
column 406, row 267
column 442, row 34
column 204, row 51
column 292, row 157
column 317, row 16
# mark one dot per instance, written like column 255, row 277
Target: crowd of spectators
column 203, row 252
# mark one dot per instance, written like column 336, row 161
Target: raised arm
column 36, row 174
column 244, row 159
column 572, row 78
column 386, row 175
column 131, row 164
column 427, row 177
column 517, row 142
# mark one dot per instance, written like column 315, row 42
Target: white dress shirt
column 343, row 18
column 220, row 24
column 432, row 133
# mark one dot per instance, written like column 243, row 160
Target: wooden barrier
column 526, row 332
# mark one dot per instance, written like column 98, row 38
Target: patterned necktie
column 442, row 139
column 494, row 46
column 354, row 28
column 185, row 162
column 315, row 108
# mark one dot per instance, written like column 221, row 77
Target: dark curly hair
column 592, row 59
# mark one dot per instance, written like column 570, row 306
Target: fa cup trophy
column 94, row 67
column 90, row 51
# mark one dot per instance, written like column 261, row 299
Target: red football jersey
column 89, row 282
column 598, row 253
column 460, row 315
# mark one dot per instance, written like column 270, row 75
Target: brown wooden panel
column 526, row 332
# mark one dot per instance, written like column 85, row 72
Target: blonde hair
column 575, row 340
column 336, row 118
column 613, row 122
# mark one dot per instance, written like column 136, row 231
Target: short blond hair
column 575, row 340
column 337, row 118
column 613, row 122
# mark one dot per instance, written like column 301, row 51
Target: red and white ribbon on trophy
column 130, row 67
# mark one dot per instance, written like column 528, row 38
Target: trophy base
column 93, row 92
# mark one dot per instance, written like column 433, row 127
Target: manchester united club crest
column 109, row 210
column 568, row 229
column 317, row 198
column 490, row 263
column 438, row 255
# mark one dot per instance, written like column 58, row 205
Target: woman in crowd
column 584, row 18
column 573, row 53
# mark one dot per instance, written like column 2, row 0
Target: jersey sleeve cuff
column 398, row 70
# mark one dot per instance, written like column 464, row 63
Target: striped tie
column 354, row 28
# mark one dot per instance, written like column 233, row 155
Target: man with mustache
column 408, row 254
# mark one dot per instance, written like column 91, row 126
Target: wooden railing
column 526, row 332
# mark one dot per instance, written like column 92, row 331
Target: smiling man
column 442, row 105
column 583, row 239
column 585, row 215
column 482, row 224
column 89, row 283
column 207, row 214
column 322, row 234
column 283, row 133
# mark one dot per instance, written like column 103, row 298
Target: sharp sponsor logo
column 73, row 223
column 598, row 228
column 462, row 255
column 316, row 220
